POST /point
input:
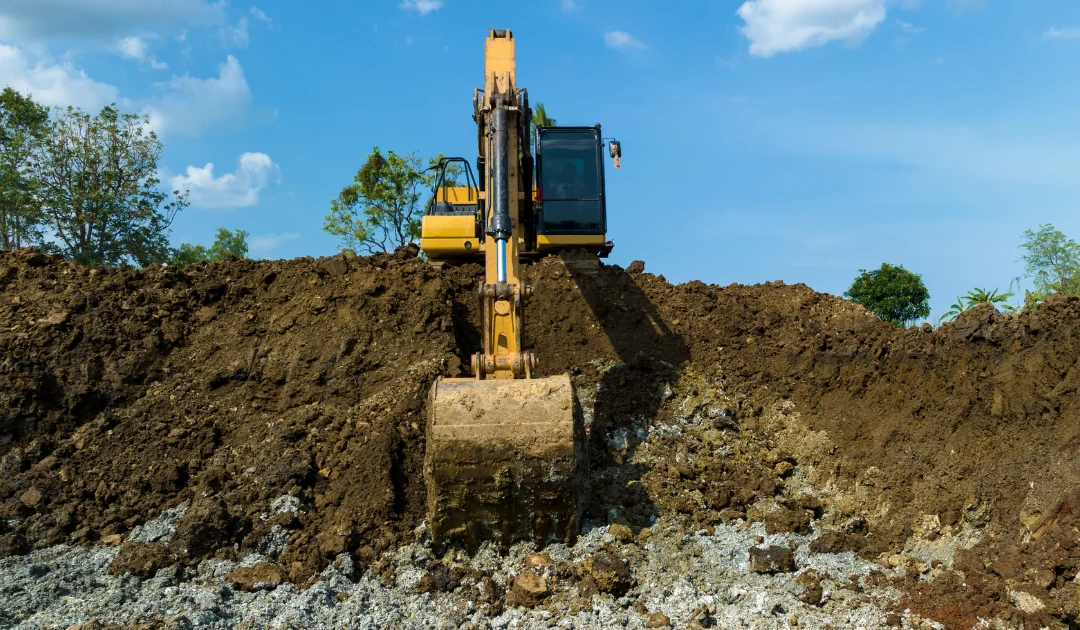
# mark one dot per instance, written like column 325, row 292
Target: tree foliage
column 974, row 298
column 1052, row 262
column 957, row 307
column 23, row 125
column 383, row 207
column 892, row 293
column 99, row 189
column 539, row 119
column 227, row 243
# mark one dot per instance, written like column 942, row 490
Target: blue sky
column 794, row 140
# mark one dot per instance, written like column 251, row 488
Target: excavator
column 505, row 452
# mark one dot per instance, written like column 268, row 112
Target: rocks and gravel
column 683, row 578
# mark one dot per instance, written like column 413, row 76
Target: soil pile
column 226, row 387
column 125, row 392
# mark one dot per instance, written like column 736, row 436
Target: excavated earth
column 256, row 428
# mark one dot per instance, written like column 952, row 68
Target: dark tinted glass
column 569, row 163
column 571, row 216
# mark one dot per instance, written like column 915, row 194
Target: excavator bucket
column 504, row 461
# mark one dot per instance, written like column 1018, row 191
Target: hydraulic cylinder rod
column 501, row 225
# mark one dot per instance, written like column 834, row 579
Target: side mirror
column 615, row 148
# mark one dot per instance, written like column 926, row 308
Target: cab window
column 569, row 182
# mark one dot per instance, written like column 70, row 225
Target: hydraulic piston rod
column 501, row 224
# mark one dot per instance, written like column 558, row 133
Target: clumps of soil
column 240, row 385
column 772, row 559
column 124, row 392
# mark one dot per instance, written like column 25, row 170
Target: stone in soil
column 529, row 590
column 772, row 559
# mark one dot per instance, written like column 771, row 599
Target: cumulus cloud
column 54, row 84
column 29, row 20
column 239, row 189
column 423, row 7
column 775, row 26
column 134, row 47
column 190, row 104
column 1061, row 33
column 621, row 40
column 262, row 244
column 568, row 6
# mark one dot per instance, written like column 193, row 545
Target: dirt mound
column 285, row 401
column 124, row 392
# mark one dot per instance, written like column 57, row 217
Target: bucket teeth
column 504, row 461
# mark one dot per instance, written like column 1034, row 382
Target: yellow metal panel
column 443, row 248
column 457, row 195
column 547, row 242
column 439, row 226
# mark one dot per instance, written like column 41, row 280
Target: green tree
column 382, row 209
column 99, row 189
column 23, row 124
column 892, row 293
column 539, row 119
column 1052, row 261
column 227, row 243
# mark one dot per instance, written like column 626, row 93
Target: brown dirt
column 126, row 392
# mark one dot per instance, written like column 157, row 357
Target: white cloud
column 134, row 47
column 774, row 26
column 423, row 7
column 1061, row 33
column 236, row 36
column 259, row 15
column 910, row 28
column 192, row 104
column 239, row 189
column 239, row 35
column 621, row 40
column 31, row 20
column 568, row 6
column 54, row 84
column 262, row 244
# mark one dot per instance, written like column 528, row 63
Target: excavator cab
column 570, row 182
column 565, row 210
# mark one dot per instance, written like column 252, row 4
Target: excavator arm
column 505, row 454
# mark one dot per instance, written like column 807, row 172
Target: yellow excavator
column 505, row 452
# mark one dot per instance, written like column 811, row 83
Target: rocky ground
column 241, row 444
